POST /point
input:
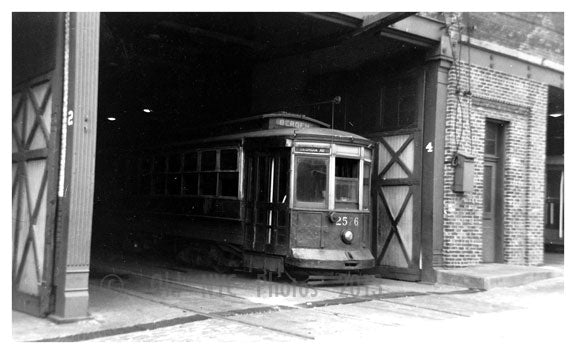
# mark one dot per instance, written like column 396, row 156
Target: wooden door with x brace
column 396, row 192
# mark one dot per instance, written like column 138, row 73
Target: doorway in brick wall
column 493, row 192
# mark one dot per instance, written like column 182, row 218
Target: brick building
column 498, row 114
column 458, row 105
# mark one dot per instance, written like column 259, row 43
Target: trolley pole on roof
column 336, row 100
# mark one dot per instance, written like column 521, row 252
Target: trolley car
column 277, row 193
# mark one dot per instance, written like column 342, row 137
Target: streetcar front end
column 330, row 222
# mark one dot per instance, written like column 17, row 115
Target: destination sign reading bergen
column 290, row 123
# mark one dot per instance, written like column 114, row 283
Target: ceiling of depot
column 189, row 68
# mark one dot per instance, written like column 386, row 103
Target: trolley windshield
column 347, row 183
column 311, row 181
column 332, row 182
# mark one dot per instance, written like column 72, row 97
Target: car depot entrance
column 146, row 80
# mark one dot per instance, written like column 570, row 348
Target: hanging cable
column 470, row 90
column 457, row 66
column 459, row 87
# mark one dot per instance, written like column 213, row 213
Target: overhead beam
column 217, row 36
column 336, row 18
column 374, row 26
column 407, row 37
column 419, row 26
column 382, row 20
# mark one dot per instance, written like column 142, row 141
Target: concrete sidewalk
column 493, row 275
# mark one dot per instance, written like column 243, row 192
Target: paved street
column 498, row 313
column 533, row 312
column 148, row 301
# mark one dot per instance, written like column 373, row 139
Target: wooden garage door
column 33, row 193
column 396, row 190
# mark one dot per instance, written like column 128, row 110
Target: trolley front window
column 347, row 182
column 311, row 182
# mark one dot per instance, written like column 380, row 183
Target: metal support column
column 76, row 177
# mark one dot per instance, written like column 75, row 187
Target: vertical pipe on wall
column 65, row 81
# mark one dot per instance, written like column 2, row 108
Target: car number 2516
column 347, row 221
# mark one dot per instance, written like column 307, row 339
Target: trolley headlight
column 347, row 236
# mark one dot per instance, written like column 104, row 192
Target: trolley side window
column 208, row 160
column 228, row 160
column 208, row 183
column 191, row 183
column 190, row 173
column 212, row 173
column 191, row 161
column 311, row 181
column 219, row 173
column 208, row 176
column 347, row 183
column 228, row 173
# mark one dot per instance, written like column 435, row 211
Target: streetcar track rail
column 424, row 308
column 228, row 315
column 231, row 314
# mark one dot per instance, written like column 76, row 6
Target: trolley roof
column 278, row 124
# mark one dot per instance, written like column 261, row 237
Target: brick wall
column 537, row 33
column 521, row 104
